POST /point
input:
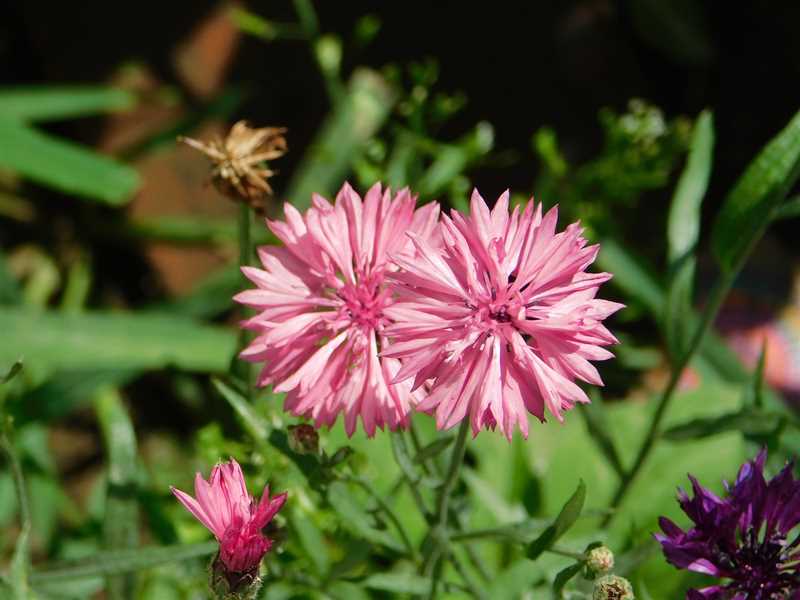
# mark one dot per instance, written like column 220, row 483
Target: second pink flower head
column 235, row 518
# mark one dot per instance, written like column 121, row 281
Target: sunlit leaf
column 114, row 340
column 759, row 192
column 683, row 232
column 565, row 519
column 64, row 165
column 116, row 562
column 61, row 102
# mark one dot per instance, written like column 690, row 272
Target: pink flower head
column 322, row 304
column 501, row 319
column 232, row 515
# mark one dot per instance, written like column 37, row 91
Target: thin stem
column 400, row 451
column 566, row 553
column 239, row 367
column 443, row 506
column 718, row 295
column 387, row 510
column 19, row 480
column 471, row 585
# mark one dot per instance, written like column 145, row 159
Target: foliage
column 366, row 518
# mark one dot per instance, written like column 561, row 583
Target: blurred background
column 118, row 258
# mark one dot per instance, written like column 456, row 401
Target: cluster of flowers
column 374, row 308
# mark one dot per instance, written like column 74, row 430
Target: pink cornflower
column 501, row 319
column 232, row 515
column 322, row 302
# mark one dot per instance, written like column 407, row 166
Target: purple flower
column 743, row 537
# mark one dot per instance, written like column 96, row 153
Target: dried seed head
column 240, row 169
column 612, row 587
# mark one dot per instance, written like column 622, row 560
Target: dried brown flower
column 240, row 170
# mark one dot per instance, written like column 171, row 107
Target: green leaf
column 114, row 340
column 565, row 519
column 683, row 232
column 117, row 562
column 64, row 393
column 749, row 421
column 789, row 209
column 751, row 204
column 10, row 292
column 563, row 577
column 64, row 165
column 12, row 372
column 253, row 424
column 520, row 532
column 354, row 120
column 599, row 427
column 452, row 159
column 357, row 520
column 514, row 581
column 398, row 583
column 57, row 102
column 121, row 518
column 630, row 276
column 754, row 392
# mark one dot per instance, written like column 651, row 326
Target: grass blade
column 120, row 523
column 683, row 232
column 64, row 165
column 57, row 102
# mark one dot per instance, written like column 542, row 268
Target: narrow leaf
column 749, row 421
column 565, row 519
column 789, row 209
column 111, row 340
column 563, row 577
column 600, row 429
column 630, row 276
column 683, row 231
column 357, row 520
column 116, row 562
column 56, row 102
column 433, row 449
column 64, row 165
column 253, row 424
column 398, row 583
column 121, row 518
column 353, row 121
column 12, row 372
column 754, row 392
column 751, row 204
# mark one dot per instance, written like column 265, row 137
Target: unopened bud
column 612, row 587
column 227, row 585
column 303, row 439
column 600, row 560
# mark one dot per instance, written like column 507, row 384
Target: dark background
column 521, row 65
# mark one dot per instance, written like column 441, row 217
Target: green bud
column 226, row 585
column 612, row 587
column 600, row 560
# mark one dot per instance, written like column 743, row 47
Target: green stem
column 718, row 295
column 387, row 510
column 239, row 367
column 566, row 553
column 400, row 451
column 19, row 480
column 441, row 550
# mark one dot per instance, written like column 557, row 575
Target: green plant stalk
column 472, row 554
column 19, row 480
column 715, row 301
column 387, row 510
column 398, row 446
column 441, row 547
column 239, row 367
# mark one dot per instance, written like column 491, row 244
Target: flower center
column 364, row 303
column 496, row 311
